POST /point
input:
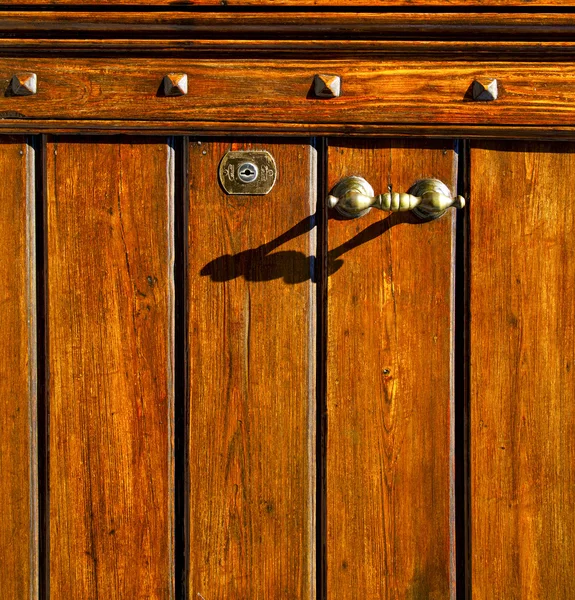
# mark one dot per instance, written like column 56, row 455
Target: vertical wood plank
column 18, row 460
column 110, row 345
column 522, row 250
column 389, row 384
column 252, row 379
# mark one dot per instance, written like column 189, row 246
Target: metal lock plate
column 250, row 172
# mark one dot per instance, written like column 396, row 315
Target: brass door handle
column 428, row 199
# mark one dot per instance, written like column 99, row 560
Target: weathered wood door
column 245, row 397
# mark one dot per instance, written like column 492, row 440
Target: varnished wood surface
column 522, row 371
column 338, row 4
column 252, row 425
column 18, row 377
column 143, row 128
column 541, row 51
column 350, row 26
column 110, row 344
column 373, row 93
column 390, row 529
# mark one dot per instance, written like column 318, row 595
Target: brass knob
column 428, row 199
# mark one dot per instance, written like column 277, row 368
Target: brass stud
column 24, row 84
column 484, row 90
column 176, row 84
column 327, row 86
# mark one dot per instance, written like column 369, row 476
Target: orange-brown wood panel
column 267, row 128
column 283, row 25
column 526, row 47
column 18, row 435
column 374, row 92
column 110, row 344
column 251, row 351
column 313, row 3
column 522, row 344
column 390, row 531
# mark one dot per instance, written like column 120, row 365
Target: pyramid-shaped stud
column 484, row 89
column 24, row 84
column 176, row 84
column 327, row 86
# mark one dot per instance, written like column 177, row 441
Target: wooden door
column 109, row 297
column 251, row 379
column 224, row 396
column 390, row 504
column 450, row 421
column 521, row 352
column 18, row 372
column 171, row 331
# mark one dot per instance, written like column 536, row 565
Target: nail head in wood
column 327, row 86
column 24, row 84
column 176, row 84
column 484, row 90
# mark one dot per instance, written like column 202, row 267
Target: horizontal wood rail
column 281, row 49
column 314, row 4
column 179, row 24
column 242, row 96
column 114, row 127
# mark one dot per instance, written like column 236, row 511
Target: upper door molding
column 333, row 4
column 251, row 24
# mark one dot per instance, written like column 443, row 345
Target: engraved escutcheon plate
column 251, row 172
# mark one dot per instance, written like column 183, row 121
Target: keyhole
column 247, row 172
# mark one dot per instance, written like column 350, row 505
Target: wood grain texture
column 389, row 401
column 252, row 379
column 307, row 3
column 418, row 130
column 18, row 377
column 522, row 370
column 292, row 25
column 81, row 44
column 374, row 92
column 110, row 345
